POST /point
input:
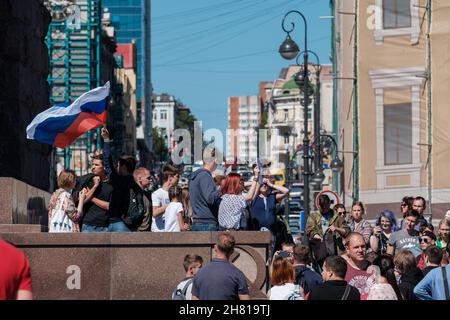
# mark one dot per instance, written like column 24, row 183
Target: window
column 286, row 114
column 163, row 115
column 286, row 139
column 397, row 134
column 396, row 14
column 155, row 115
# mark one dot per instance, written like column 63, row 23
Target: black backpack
column 136, row 209
column 300, row 279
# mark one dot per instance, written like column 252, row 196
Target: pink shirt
column 360, row 279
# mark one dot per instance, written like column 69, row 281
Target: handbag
column 60, row 221
column 323, row 248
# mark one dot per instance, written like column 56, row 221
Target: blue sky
column 204, row 51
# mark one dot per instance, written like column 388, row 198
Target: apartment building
column 283, row 102
column 243, row 122
column 391, row 101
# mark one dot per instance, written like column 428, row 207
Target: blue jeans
column 204, row 227
column 118, row 226
column 89, row 228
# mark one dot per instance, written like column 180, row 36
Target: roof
column 128, row 51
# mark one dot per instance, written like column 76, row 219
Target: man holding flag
column 59, row 126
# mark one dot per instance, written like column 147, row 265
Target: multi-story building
column 243, row 123
column 283, row 103
column 74, row 42
column 131, row 20
column 164, row 117
column 125, row 74
column 391, row 93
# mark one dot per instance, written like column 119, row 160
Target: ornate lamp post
column 289, row 50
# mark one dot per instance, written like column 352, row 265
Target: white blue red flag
column 60, row 125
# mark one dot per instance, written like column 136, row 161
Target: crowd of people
column 345, row 257
column 120, row 198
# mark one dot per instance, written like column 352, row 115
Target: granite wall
column 24, row 91
column 129, row 265
column 23, row 204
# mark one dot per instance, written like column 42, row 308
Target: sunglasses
column 424, row 240
column 403, row 205
column 342, row 212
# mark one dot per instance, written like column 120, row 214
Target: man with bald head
column 360, row 273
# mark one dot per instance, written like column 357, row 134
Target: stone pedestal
column 21, row 203
column 145, row 265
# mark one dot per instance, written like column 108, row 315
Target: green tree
column 159, row 145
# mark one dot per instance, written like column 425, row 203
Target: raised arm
column 252, row 193
column 282, row 191
column 107, row 157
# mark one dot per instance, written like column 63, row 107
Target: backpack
column 180, row 294
column 295, row 295
column 136, row 209
column 300, row 279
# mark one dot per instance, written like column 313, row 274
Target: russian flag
column 60, row 125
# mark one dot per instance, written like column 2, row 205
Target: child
column 192, row 263
column 174, row 212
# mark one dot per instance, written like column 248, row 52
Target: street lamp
column 318, row 176
column 289, row 50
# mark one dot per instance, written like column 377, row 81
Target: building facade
column 164, row 117
column 131, row 20
column 74, row 42
column 125, row 74
column 391, row 102
column 282, row 102
column 244, row 114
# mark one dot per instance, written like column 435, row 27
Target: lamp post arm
column 288, row 31
column 333, row 140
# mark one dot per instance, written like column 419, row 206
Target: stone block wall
column 139, row 265
column 24, row 91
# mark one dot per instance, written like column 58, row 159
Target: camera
column 285, row 254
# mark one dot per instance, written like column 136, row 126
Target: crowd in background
column 345, row 257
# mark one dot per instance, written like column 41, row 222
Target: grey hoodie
column 204, row 197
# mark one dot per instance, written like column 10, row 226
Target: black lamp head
column 289, row 49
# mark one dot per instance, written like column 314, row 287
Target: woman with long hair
column 405, row 206
column 283, row 278
column 386, row 287
column 232, row 207
column 358, row 224
column 63, row 215
column 385, row 225
column 443, row 235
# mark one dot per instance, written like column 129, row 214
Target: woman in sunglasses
column 385, row 225
column 405, row 206
column 427, row 239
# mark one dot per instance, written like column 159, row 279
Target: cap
column 429, row 234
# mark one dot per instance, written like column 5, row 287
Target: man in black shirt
column 95, row 218
column 335, row 287
column 123, row 180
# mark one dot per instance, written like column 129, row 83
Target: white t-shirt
column 159, row 198
column 171, row 216
column 281, row 292
column 181, row 286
